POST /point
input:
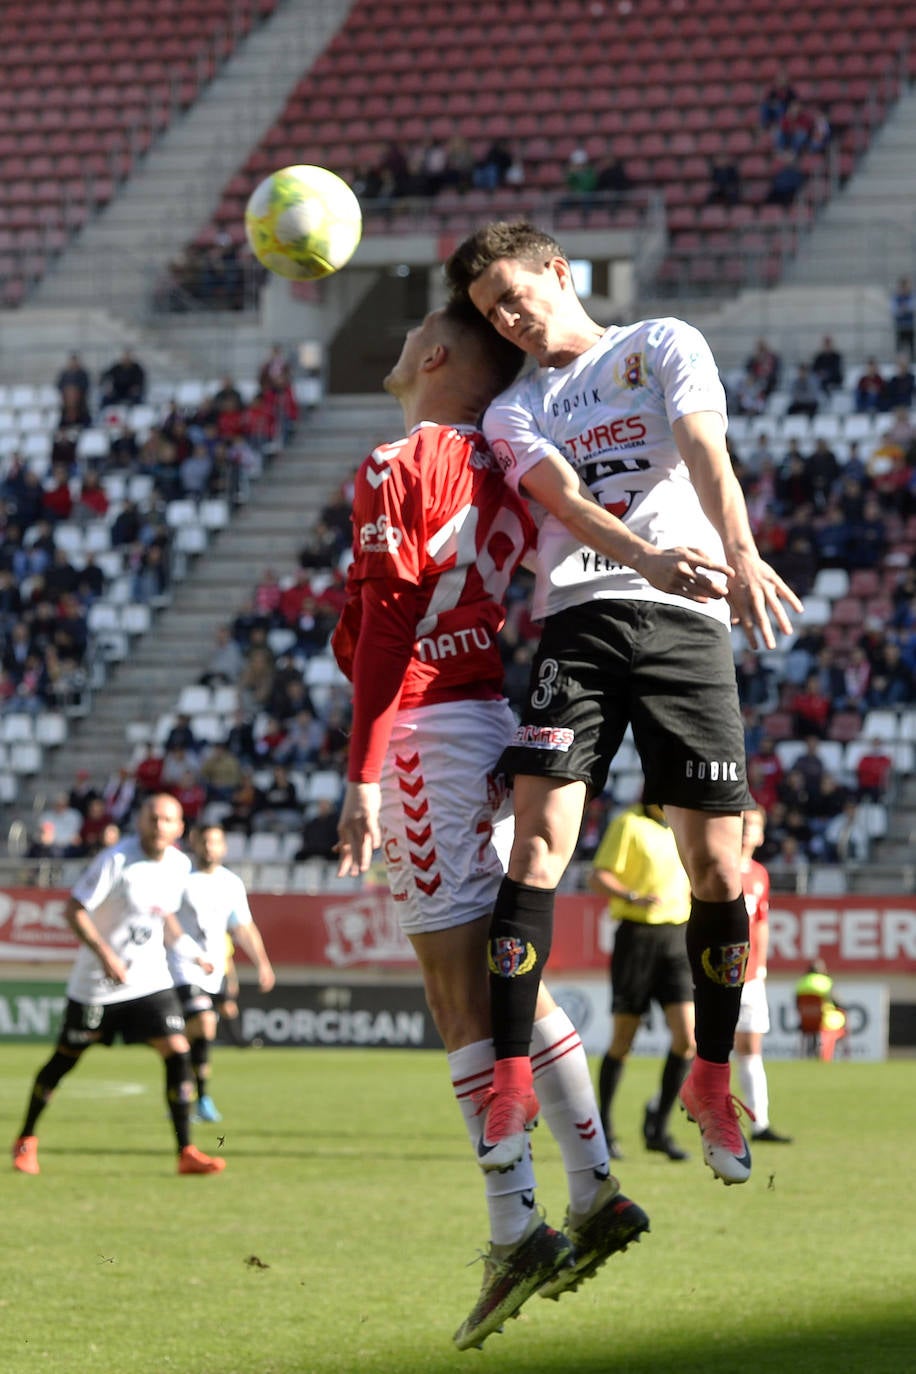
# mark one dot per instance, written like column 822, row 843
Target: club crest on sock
column 508, row 957
column 728, row 970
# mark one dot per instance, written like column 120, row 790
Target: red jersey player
column 436, row 538
column 754, row 1013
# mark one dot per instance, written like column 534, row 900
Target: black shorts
column 668, row 672
column 137, row 1021
column 649, row 964
column 194, row 1000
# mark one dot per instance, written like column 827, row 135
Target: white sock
column 510, row 1196
column 752, row 1079
column 564, row 1087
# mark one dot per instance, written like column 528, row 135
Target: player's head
column 753, row 825
column 520, row 280
column 502, row 240
column 208, row 845
column 160, row 822
column 452, row 357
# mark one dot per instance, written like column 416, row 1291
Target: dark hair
column 519, row 240
column 500, row 358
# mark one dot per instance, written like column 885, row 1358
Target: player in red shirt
column 437, row 537
column 754, row 1014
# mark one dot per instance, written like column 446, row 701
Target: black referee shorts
column 668, row 672
column 649, row 964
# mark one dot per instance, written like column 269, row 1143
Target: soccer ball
column 303, row 223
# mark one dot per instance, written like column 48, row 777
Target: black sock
column 179, row 1089
column 609, row 1076
column 200, row 1062
column 46, row 1080
column 673, row 1075
column 518, row 949
column 717, row 945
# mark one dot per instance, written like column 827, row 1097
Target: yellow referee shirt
column 642, row 855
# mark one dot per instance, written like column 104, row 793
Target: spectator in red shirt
column 92, row 501
column 294, row 598
column 870, row 389
column 873, row 772
column 765, row 773
column 148, row 773
column 811, row 708
column 192, row 794
column 57, row 502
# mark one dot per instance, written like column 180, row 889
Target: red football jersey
column 755, row 883
column 437, row 536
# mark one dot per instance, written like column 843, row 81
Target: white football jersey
column 609, row 413
column 211, row 904
column 127, row 894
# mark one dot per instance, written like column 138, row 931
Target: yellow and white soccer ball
column 303, row 222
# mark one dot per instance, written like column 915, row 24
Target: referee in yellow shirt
column 638, row 869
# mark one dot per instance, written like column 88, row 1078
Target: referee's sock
column 717, row 946
column 518, row 948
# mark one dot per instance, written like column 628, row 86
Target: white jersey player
column 122, row 910
column 213, row 911
column 639, row 639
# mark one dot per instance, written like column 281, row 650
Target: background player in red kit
column 436, row 540
column 754, row 1014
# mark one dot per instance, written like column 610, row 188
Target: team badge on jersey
column 729, row 969
column 632, row 374
column 508, row 957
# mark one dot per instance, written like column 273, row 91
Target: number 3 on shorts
column 542, row 695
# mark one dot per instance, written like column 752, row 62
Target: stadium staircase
column 875, row 218
column 268, row 531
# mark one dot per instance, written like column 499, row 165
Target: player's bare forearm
column 757, row 595
column 358, row 828
column 249, row 937
column 683, row 571
column 84, row 928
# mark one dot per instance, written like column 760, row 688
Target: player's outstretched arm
column 756, row 593
column 682, row 571
column 249, row 937
column 358, row 828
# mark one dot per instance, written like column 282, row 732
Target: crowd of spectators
column 46, row 589
column 811, row 508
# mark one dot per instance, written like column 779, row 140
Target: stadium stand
column 372, row 88
column 63, row 156
column 113, row 77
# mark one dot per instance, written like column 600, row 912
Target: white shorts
column 754, row 1014
column 446, row 817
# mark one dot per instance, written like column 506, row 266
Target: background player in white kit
column 754, row 1013
column 122, row 909
column 436, row 539
column 638, row 413
column 214, row 903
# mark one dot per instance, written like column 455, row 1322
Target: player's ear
column 436, row 356
column 562, row 269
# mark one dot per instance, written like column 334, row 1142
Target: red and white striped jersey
column 437, row 536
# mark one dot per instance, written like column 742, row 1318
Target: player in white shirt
column 122, row 910
column 214, row 905
column 640, row 639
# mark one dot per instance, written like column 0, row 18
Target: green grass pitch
column 339, row 1237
